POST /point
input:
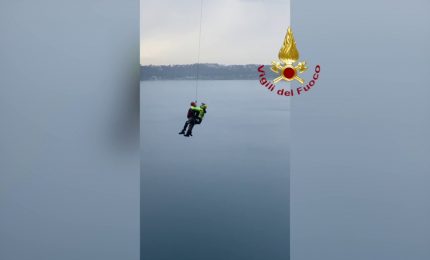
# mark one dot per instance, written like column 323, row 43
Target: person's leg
column 185, row 127
column 190, row 127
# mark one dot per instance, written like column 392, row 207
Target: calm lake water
column 223, row 193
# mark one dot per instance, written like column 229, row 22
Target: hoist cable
column 198, row 52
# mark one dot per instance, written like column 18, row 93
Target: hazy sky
column 233, row 31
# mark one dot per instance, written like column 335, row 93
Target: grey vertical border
column 360, row 137
column 69, row 162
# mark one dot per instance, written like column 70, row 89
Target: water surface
column 223, row 193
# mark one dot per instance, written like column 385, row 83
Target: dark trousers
column 190, row 124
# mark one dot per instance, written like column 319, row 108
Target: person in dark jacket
column 192, row 115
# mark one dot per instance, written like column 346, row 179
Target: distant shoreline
column 143, row 80
column 206, row 71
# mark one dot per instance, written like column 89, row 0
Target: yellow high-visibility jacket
column 201, row 110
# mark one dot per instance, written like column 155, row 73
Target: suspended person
column 202, row 113
column 197, row 116
column 192, row 115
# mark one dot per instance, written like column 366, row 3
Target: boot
column 182, row 132
column 189, row 133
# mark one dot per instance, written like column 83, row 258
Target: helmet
column 193, row 104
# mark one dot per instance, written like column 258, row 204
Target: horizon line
column 208, row 63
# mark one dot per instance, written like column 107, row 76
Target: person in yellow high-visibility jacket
column 195, row 116
column 202, row 112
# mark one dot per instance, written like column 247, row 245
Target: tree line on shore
column 206, row 71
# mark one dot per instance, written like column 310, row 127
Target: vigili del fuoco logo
column 288, row 69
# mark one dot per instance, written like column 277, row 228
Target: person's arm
column 198, row 109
